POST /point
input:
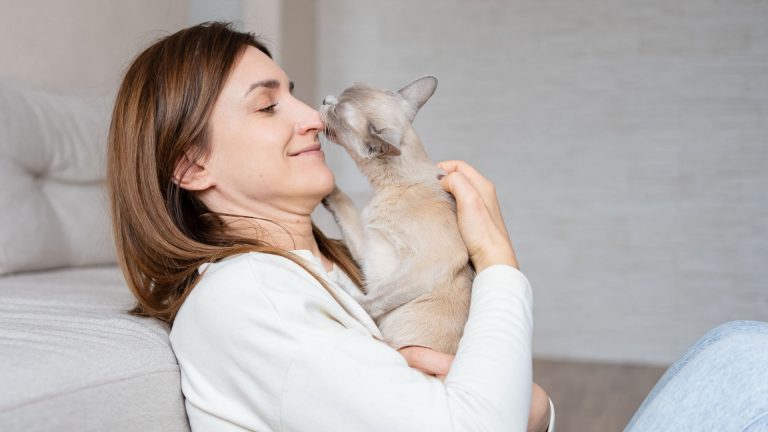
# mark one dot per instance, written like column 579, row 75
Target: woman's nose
column 310, row 123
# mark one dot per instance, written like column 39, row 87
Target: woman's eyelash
column 270, row 109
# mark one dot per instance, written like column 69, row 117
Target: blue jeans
column 720, row 384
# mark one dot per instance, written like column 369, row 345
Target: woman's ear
column 191, row 175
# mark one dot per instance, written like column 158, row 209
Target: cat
column 416, row 268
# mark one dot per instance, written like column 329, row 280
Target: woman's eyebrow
column 267, row 83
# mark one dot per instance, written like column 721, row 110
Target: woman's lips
column 315, row 149
column 310, row 152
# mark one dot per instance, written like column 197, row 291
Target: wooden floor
column 594, row 397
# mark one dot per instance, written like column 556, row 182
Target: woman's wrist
column 507, row 258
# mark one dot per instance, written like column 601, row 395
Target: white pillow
column 53, row 207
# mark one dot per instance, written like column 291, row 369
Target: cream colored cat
column 416, row 267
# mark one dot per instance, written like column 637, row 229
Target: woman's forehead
column 253, row 66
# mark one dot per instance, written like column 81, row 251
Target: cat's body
column 416, row 267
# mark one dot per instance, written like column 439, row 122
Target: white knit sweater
column 263, row 346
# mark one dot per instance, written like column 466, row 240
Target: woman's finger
column 427, row 360
column 463, row 189
column 467, row 196
column 482, row 184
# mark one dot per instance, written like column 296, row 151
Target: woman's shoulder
column 245, row 274
column 249, row 289
column 248, row 260
column 233, row 296
column 223, row 289
column 245, row 270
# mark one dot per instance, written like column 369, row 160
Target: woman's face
column 265, row 150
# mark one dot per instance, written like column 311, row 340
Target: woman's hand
column 538, row 418
column 480, row 222
column 427, row 360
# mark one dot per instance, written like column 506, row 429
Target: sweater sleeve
column 349, row 381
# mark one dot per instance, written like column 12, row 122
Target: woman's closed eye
column 269, row 109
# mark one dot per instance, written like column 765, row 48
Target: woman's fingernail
column 440, row 176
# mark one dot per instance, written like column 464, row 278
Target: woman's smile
column 316, row 152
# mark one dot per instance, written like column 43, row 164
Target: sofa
column 71, row 359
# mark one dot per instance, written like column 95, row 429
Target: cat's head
column 372, row 123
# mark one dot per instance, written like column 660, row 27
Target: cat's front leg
column 343, row 210
column 378, row 301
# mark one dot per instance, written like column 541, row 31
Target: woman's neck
column 288, row 233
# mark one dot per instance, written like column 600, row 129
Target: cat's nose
column 330, row 100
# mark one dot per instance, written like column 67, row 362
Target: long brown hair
column 162, row 232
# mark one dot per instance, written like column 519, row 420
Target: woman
column 213, row 171
column 205, row 129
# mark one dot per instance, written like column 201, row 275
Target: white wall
column 80, row 46
column 84, row 46
column 628, row 141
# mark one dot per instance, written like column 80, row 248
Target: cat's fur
column 415, row 264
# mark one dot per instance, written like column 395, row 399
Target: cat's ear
column 418, row 92
column 389, row 140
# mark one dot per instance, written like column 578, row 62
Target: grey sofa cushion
column 52, row 169
column 70, row 359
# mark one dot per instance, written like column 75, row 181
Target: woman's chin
column 324, row 183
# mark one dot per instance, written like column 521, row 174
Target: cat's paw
column 335, row 199
column 328, row 201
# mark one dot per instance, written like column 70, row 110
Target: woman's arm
column 350, row 381
column 487, row 239
column 438, row 364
